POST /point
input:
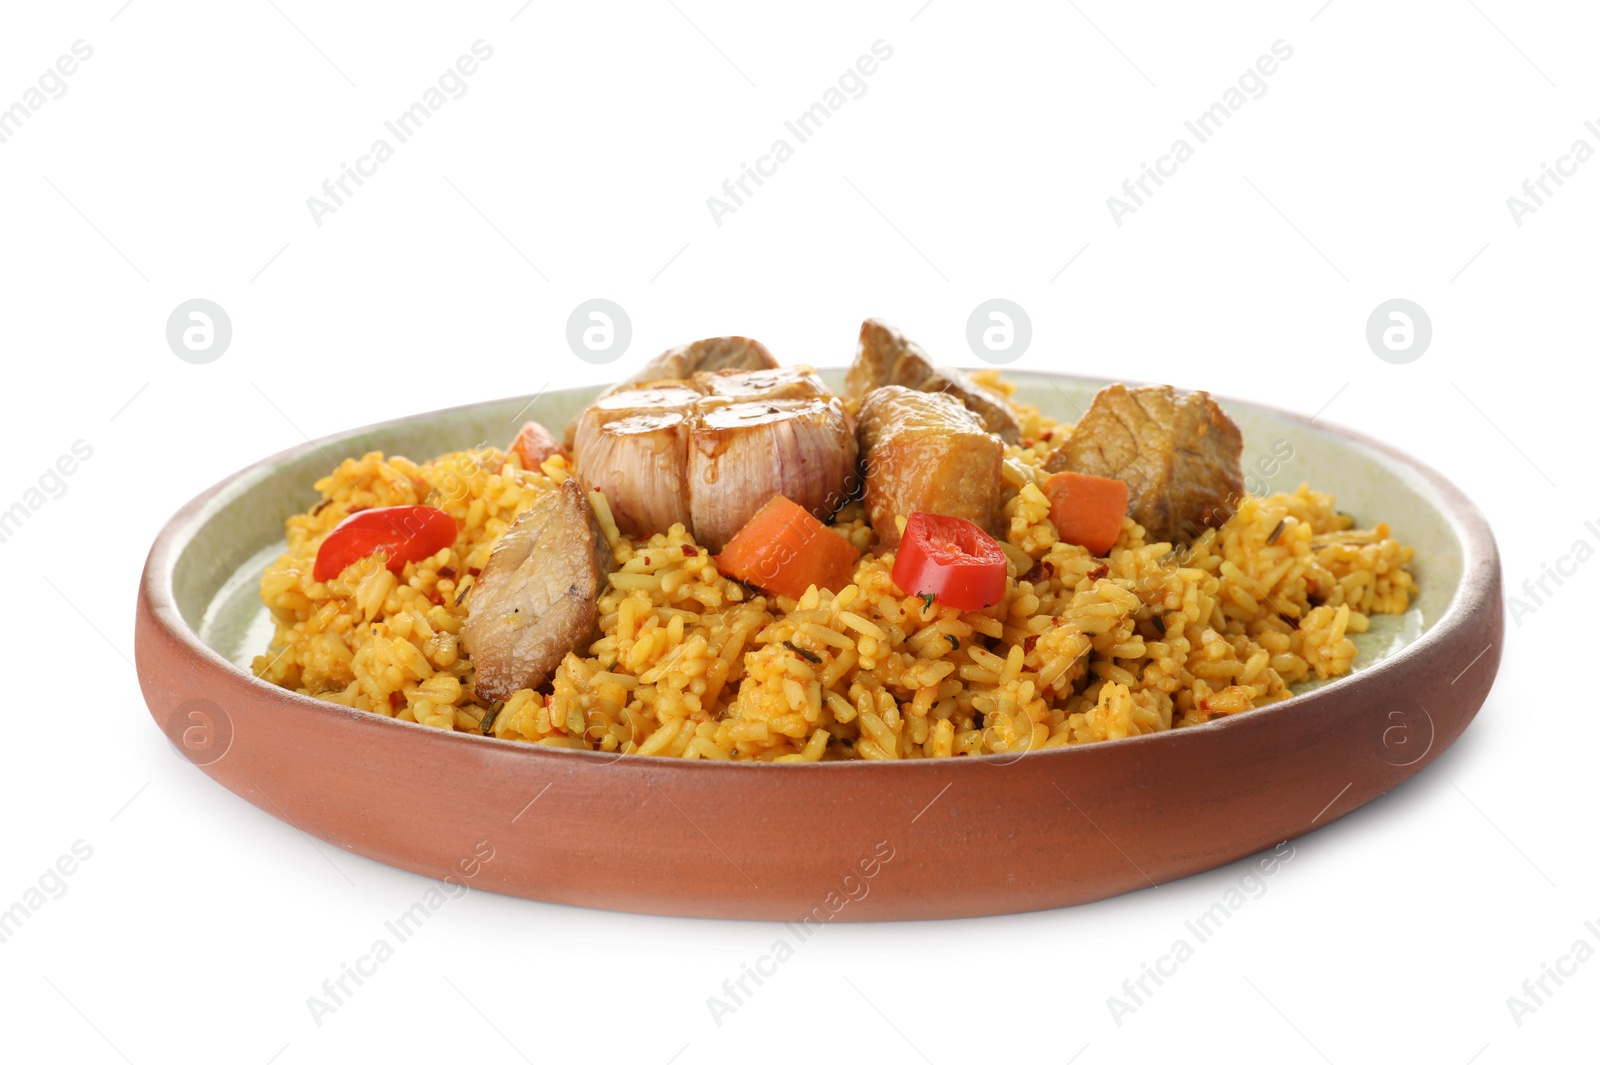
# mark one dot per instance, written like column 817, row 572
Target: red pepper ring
column 403, row 534
column 951, row 559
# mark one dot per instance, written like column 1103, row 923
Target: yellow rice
column 691, row 664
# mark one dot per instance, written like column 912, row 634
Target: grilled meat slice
column 536, row 599
column 924, row 451
column 885, row 357
column 1178, row 452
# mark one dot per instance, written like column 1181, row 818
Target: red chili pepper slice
column 403, row 534
column 951, row 559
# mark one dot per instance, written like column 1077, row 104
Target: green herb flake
column 802, row 652
column 488, row 718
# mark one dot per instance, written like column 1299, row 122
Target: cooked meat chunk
column 995, row 412
column 704, row 356
column 1178, row 453
column 743, row 454
column 536, row 599
column 924, row 451
column 710, row 452
column 885, row 357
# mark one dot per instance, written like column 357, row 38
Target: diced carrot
column 1086, row 510
column 533, row 445
column 784, row 550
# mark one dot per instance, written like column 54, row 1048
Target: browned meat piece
column 885, row 357
column 536, row 599
column 994, row 411
column 1178, row 452
column 743, row 454
column 924, row 451
column 710, row 452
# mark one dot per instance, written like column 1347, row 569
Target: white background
column 978, row 163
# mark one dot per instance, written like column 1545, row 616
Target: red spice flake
column 435, row 598
column 447, row 573
column 689, row 552
column 1099, row 571
column 396, row 700
column 1041, row 572
column 1205, row 706
column 1047, row 434
column 1027, row 645
column 473, row 571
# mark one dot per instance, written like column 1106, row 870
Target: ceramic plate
column 833, row 841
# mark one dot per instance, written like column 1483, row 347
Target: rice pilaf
column 690, row 663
